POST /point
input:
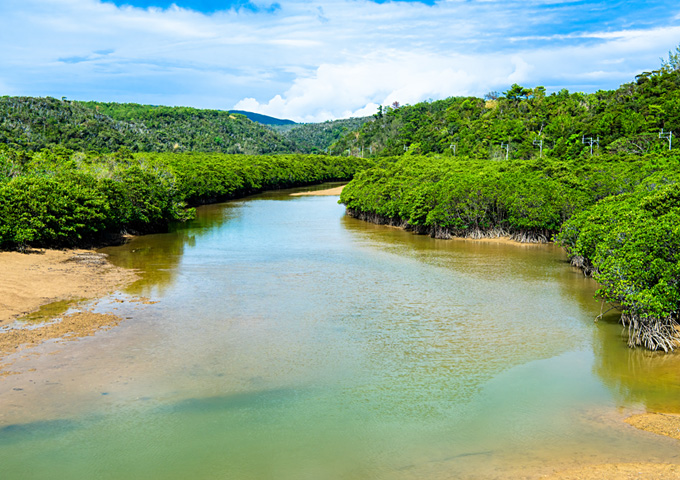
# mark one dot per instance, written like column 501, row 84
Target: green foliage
column 626, row 121
column 59, row 198
column 36, row 123
column 632, row 244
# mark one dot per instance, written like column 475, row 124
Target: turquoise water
column 288, row 341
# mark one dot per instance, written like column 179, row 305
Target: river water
column 277, row 338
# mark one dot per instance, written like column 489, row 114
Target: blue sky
column 313, row 60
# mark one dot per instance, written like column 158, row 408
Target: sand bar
column 29, row 281
column 320, row 193
column 620, row 471
column 660, row 423
column 32, row 280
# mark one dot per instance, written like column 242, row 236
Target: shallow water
column 289, row 341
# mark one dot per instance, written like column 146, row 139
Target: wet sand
column 29, row 281
column 57, row 278
column 620, row 471
column 67, row 327
column 320, row 193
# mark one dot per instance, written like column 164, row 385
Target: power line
column 669, row 136
column 590, row 141
column 539, row 139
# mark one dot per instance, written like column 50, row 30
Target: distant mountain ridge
column 263, row 119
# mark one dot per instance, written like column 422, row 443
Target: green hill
column 34, row 123
column 319, row 137
column 517, row 123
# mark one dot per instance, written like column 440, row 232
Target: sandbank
column 660, row 423
column 619, row 471
column 318, row 193
column 43, row 277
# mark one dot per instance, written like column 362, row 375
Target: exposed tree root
column 437, row 231
column 652, row 333
column 584, row 264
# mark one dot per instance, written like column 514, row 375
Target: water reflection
column 157, row 257
column 636, row 376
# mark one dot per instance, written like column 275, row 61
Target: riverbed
column 281, row 339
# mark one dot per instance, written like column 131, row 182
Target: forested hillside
column 34, row 123
column 319, row 137
column 528, row 123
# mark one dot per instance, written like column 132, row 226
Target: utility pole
column 590, row 141
column 539, row 142
column 669, row 136
column 506, row 146
column 453, row 147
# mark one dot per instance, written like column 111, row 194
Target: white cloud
column 316, row 60
column 357, row 88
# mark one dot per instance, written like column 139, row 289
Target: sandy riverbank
column 320, row 193
column 33, row 280
column 29, row 281
column 620, row 471
column 658, row 423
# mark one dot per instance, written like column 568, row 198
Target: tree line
column 56, row 197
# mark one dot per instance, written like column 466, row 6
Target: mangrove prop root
column 439, row 232
column 584, row 264
column 652, row 333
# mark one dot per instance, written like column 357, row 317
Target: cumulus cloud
column 357, row 88
column 321, row 59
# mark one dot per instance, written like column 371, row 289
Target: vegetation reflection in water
column 292, row 342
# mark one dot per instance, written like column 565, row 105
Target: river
column 277, row 338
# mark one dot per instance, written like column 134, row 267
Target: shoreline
column 540, row 237
column 41, row 286
column 329, row 192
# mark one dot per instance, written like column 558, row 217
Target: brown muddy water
column 288, row 341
